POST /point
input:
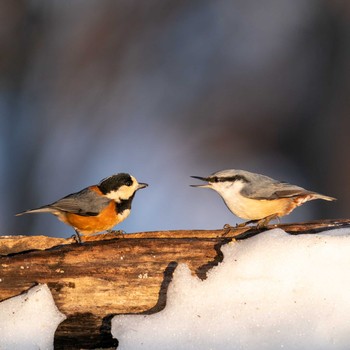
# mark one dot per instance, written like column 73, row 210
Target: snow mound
column 29, row 320
column 271, row 291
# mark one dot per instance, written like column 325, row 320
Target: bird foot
column 117, row 232
column 244, row 224
column 77, row 237
column 263, row 223
column 227, row 228
column 260, row 224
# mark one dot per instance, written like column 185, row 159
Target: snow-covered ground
column 29, row 320
column 271, row 291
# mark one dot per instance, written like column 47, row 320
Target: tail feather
column 37, row 210
column 322, row 196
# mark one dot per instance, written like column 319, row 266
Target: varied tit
column 95, row 208
column 256, row 197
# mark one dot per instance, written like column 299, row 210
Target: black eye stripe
column 228, row 178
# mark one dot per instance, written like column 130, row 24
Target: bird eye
column 215, row 179
column 128, row 183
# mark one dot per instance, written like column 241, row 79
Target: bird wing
column 267, row 188
column 86, row 203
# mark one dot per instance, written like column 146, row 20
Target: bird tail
column 37, row 210
column 322, row 196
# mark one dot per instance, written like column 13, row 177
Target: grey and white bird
column 256, row 197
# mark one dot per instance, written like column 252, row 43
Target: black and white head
column 227, row 182
column 120, row 187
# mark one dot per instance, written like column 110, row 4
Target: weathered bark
column 110, row 275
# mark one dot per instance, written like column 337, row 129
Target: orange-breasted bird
column 95, row 208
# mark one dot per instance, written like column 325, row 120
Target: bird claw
column 227, row 228
column 117, row 232
column 263, row 223
column 243, row 224
column 76, row 237
column 260, row 224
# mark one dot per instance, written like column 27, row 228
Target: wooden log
column 109, row 275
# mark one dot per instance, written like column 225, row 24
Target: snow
column 271, row 291
column 29, row 320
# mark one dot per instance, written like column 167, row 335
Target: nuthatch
column 95, row 208
column 256, row 197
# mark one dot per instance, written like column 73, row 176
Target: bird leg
column 228, row 227
column 244, row 224
column 262, row 223
column 77, row 236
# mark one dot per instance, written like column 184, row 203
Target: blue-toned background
column 167, row 89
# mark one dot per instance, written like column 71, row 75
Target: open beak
column 141, row 185
column 207, row 185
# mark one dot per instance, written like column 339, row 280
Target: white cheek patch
column 114, row 195
column 237, row 186
column 228, row 188
column 123, row 192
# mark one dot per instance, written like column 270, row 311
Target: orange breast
column 92, row 224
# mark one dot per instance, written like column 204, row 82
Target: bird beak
column 207, row 185
column 141, row 185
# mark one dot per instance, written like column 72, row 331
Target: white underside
column 243, row 207
column 251, row 209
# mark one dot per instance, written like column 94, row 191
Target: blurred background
column 166, row 89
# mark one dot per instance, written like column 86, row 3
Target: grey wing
column 267, row 188
column 86, row 202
